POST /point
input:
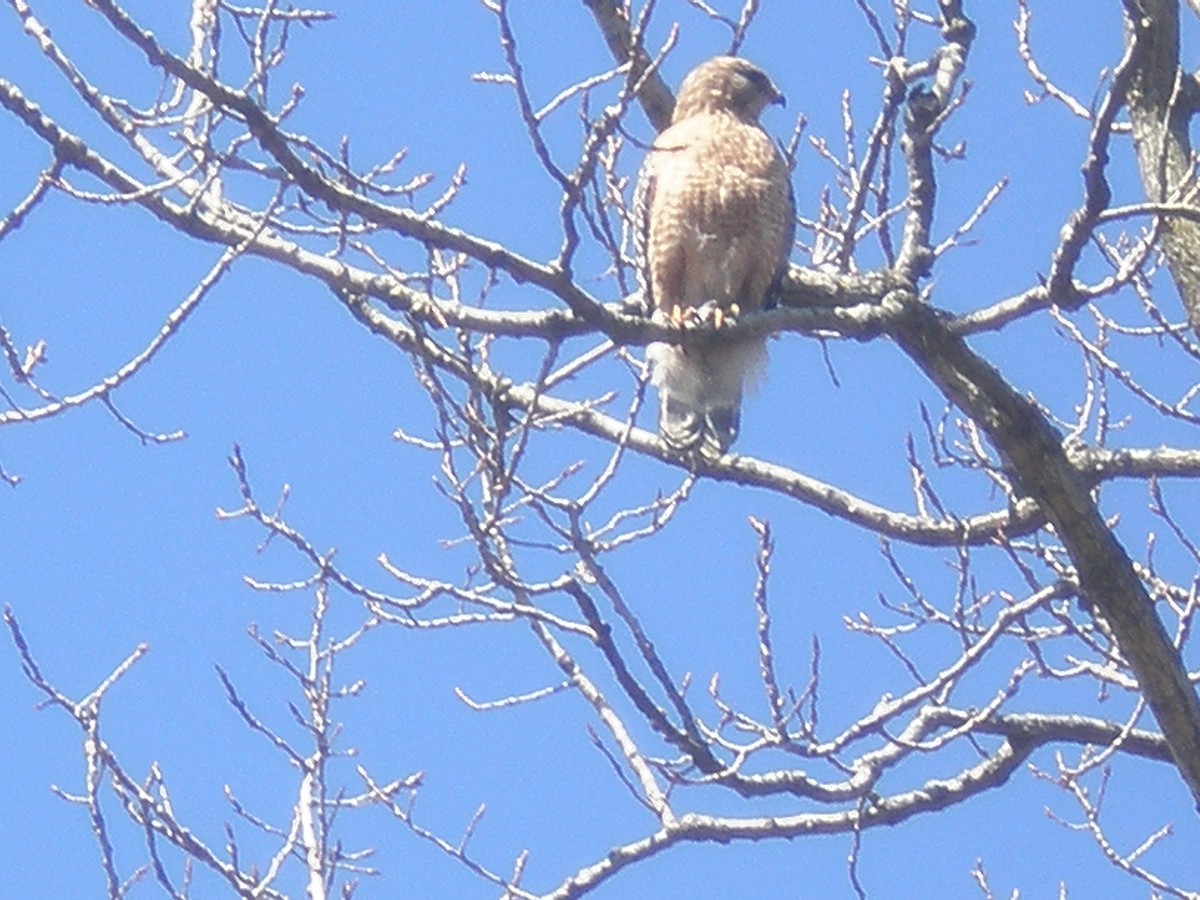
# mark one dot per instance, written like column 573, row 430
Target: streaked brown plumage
column 715, row 225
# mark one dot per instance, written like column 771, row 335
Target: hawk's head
column 726, row 84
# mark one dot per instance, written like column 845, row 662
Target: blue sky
column 106, row 544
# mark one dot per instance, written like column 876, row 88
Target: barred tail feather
column 680, row 424
column 688, row 429
column 721, row 427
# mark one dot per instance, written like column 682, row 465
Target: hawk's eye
column 760, row 81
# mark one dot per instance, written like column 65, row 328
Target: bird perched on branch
column 714, row 222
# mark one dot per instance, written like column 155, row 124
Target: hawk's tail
column 710, row 432
column 721, row 427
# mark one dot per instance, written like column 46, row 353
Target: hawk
column 714, row 222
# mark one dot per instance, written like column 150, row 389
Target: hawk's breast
column 720, row 211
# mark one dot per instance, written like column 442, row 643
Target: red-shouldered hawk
column 714, row 225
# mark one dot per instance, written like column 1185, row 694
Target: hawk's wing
column 643, row 201
column 771, row 300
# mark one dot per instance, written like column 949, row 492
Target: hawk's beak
column 779, row 99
